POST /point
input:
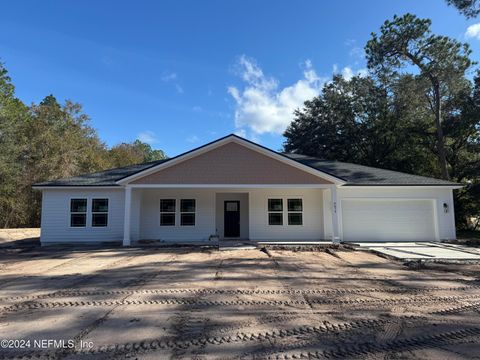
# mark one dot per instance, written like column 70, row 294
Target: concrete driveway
column 429, row 251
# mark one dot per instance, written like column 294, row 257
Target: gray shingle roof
column 359, row 175
column 353, row 174
column 102, row 178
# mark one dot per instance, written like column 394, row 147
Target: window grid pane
column 99, row 205
column 187, row 219
column 167, row 205
column 187, row 205
column 167, row 219
column 295, row 218
column 275, row 204
column 99, row 219
column 275, row 218
column 78, row 220
column 295, row 205
column 78, row 205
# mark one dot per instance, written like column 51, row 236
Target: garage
column 388, row 220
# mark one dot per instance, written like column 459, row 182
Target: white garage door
column 388, row 220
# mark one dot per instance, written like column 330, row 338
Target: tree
column 388, row 124
column 469, row 8
column 12, row 114
column 442, row 61
column 134, row 153
column 361, row 121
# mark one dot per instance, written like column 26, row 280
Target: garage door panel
column 388, row 220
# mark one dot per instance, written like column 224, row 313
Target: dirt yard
column 183, row 303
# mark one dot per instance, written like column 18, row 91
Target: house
column 236, row 189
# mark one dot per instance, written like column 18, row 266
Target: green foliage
column 45, row 142
column 441, row 61
column 468, row 8
column 137, row 152
column 389, row 125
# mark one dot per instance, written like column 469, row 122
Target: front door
column 232, row 219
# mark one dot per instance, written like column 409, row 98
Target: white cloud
column 148, row 137
column 169, row 76
column 473, row 31
column 262, row 106
column 347, row 72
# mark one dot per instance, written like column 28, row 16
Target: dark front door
column 232, row 218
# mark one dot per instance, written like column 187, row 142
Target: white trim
column 230, row 139
column 284, row 211
column 433, row 200
column 127, row 220
column 231, row 186
column 69, row 219
column 97, row 197
column 337, row 235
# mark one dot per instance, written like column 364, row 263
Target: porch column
column 335, row 215
column 126, row 220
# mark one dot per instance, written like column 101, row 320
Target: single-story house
column 233, row 188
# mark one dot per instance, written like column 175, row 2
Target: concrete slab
column 432, row 251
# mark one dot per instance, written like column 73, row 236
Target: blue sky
column 178, row 74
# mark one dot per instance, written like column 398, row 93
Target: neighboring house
column 234, row 188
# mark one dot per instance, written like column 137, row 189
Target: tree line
column 47, row 141
column 417, row 111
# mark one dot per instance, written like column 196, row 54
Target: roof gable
column 231, row 160
column 231, row 163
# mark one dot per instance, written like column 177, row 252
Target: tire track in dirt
column 344, row 350
column 140, row 281
column 204, row 291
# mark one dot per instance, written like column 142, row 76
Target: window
column 99, row 212
column 187, row 212
column 78, row 212
column 167, row 212
column 295, row 211
column 275, row 211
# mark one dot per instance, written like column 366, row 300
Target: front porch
column 200, row 215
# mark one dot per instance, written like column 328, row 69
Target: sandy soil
column 188, row 303
column 8, row 236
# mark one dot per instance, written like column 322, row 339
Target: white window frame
column 70, row 212
column 276, row 212
column 167, row 212
column 100, row 212
column 295, row 212
column 187, row 212
column 285, row 211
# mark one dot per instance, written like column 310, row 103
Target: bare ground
column 188, row 303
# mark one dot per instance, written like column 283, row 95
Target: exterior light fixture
column 445, row 207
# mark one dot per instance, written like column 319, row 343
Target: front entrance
column 231, row 218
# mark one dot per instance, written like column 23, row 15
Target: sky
column 178, row 74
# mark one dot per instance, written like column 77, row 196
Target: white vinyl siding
column 316, row 213
column 55, row 226
column 150, row 228
column 312, row 222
